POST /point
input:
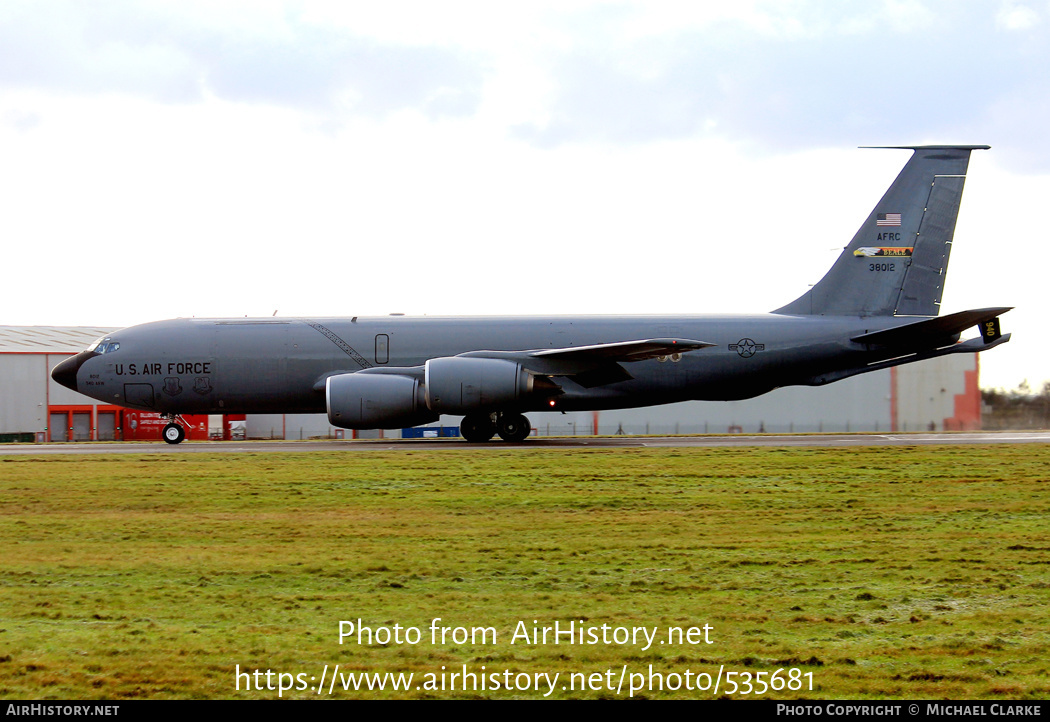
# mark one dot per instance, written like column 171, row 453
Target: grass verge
column 917, row 572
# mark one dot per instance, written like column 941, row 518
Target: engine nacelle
column 461, row 385
column 375, row 401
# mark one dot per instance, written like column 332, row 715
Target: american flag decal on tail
column 888, row 219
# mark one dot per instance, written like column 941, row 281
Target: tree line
column 1018, row 408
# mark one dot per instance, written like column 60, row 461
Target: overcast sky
column 235, row 158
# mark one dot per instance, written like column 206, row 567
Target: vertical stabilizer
column 896, row 263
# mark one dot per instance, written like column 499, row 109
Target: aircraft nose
column 66, row 371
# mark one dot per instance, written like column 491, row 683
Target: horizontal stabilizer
column 974, row 345
column 932, row 331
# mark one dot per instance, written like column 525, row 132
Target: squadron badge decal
column 202, row 385
column 873, row 251
column 172, row 387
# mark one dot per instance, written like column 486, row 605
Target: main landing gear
column 513, row 427
column 480, row 427
column 173, row 433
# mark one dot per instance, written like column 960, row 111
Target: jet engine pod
column 375, row 401
column 460, row 385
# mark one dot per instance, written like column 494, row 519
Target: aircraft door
column 248, row 367
column 561, row 333
column 139, row 395
column 382, row 348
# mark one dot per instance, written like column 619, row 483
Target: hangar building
column 939, row 394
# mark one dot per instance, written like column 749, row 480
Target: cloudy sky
column 166, row 159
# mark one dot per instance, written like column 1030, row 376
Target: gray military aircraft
column 877, row 307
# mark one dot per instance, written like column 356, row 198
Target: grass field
column 917, row 572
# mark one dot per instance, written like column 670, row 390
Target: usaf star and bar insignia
column 747, row 347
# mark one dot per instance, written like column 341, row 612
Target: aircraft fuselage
column 197, row 366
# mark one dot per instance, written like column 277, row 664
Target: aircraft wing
column 595, row 365
column 574, row 358
column 626, row 351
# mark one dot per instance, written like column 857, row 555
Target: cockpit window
column 105, row 345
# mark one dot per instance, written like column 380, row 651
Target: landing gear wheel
column 173, row 433
column 514, row 427
column 477, row 428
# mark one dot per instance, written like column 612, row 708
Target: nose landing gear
column 173, row 433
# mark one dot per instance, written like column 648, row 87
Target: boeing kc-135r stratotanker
column 877, row 307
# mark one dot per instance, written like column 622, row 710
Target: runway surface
column 578, row 442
